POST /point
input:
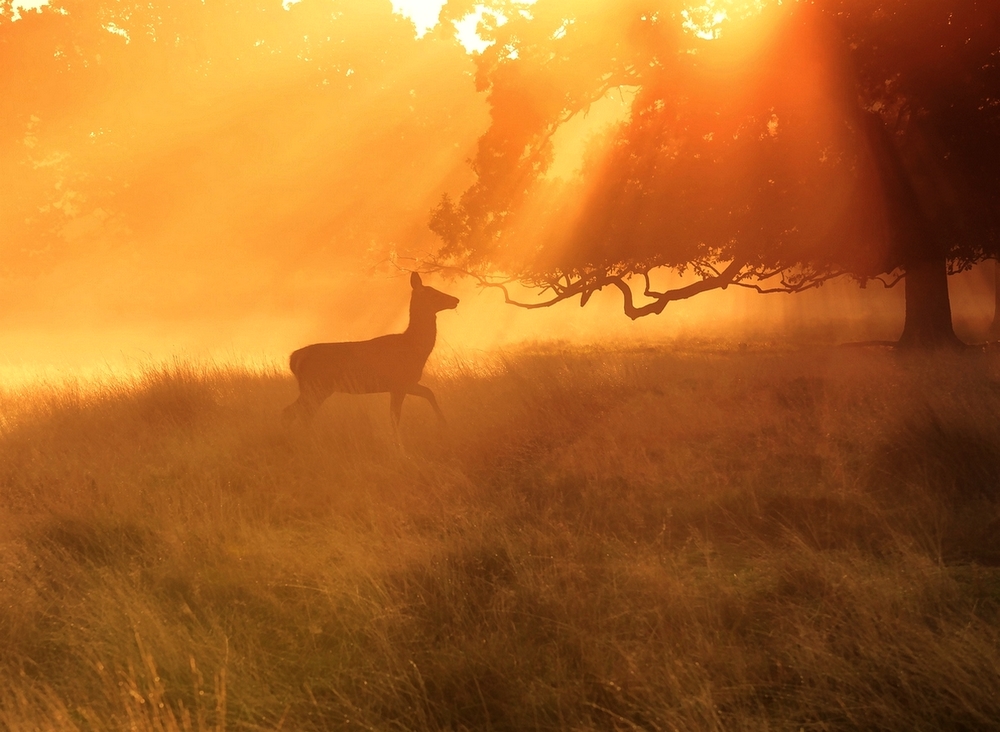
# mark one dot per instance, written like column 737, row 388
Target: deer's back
column 382, row 364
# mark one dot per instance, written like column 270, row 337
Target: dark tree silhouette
column 808, row 141
column 993, row 333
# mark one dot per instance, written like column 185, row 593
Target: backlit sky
column 265, row 205
column 423, row 13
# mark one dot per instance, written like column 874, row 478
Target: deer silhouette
column 390, row 363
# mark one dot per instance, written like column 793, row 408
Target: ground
column 678, row 535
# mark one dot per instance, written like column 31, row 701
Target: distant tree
column 800, row 143
column 298, row 134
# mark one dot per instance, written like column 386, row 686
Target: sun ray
column 706, row 21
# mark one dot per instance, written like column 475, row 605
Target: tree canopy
column 168, row 140
column 774, row 149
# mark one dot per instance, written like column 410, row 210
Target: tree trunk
column 928, row 307
column 993, row 333
column 911, row 204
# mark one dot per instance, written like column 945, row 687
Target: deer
column 390, row 363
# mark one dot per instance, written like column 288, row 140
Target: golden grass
column 682, row 537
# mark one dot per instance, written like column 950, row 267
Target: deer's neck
column 422, row 330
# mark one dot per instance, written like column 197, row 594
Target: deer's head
column 427, row 299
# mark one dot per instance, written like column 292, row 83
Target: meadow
column 668, row 536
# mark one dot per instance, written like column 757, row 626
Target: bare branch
column 587, row 284
column 562, row 292
column 564, row 286
column 800, row 284
column 723, row 280
column 710, row 267
column 648, row 291
column 893, row 282
column 564, row 295
column 775, row 290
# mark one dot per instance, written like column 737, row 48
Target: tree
column 165, row 141
column 786, row 146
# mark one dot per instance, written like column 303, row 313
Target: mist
column 231, row 185
column 219, row 182
column 235, row 494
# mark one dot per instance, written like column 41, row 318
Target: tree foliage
column 165, row 130
column 786, row 145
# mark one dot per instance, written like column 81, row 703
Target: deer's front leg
column 422, row 391
column 396, row 406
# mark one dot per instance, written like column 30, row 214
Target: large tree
column 775, row 149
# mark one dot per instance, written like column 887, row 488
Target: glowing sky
column 423, row 13
column 273, row 197
column 18, row 5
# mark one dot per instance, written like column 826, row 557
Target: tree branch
column 564, row 286
column 893, row 282
column 648, row 291
column 721, row 281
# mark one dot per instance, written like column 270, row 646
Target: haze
column 236, row 494
column 233, row 185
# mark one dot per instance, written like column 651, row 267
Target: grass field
column 672, row 537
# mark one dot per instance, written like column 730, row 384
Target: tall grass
column 684, row 537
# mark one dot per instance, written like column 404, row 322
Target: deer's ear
column 415, row 281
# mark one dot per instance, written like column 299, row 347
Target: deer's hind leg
column 304, row 408
column 422, row 391
column 396, row 406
